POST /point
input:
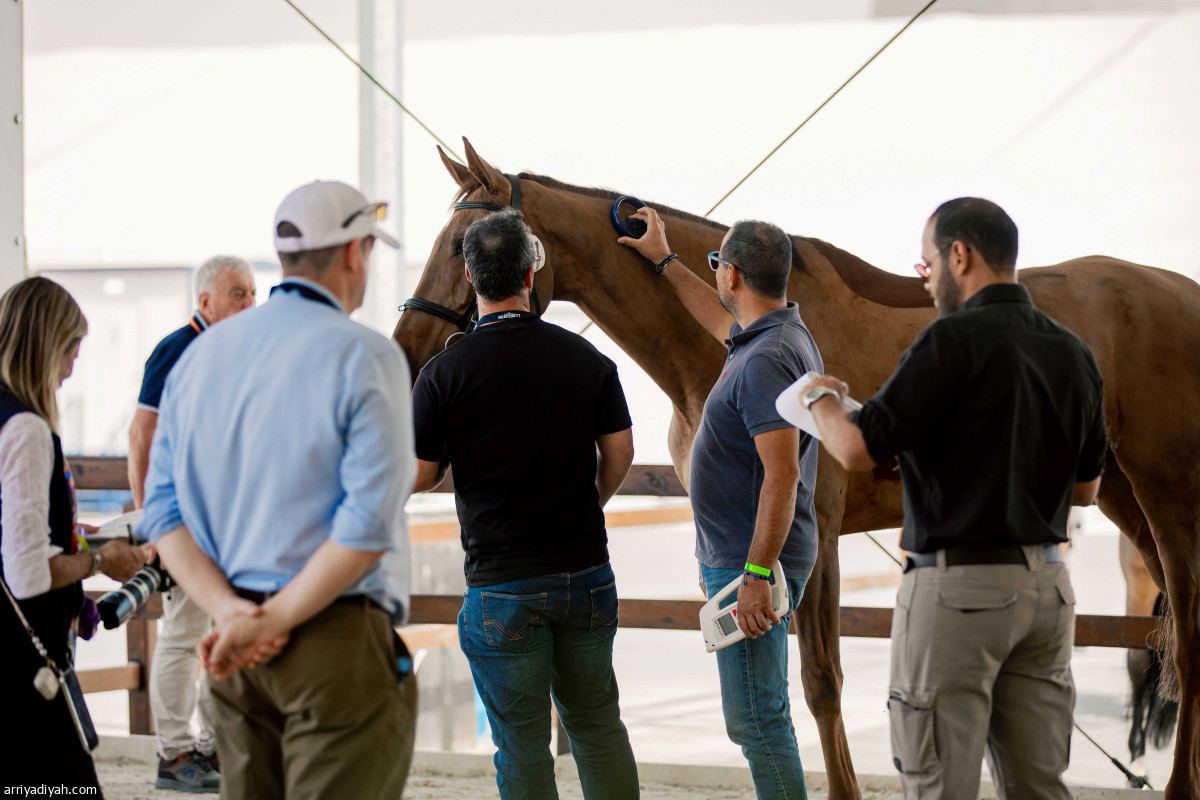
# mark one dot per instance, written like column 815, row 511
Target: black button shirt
column 995, row 413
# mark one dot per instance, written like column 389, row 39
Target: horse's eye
column 458, row 247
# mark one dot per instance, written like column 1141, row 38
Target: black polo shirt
column 517, row 406
column 995, row 412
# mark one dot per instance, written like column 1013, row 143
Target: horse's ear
column 461, row 175
column 491, row 178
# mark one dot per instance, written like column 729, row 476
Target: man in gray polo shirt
column 752, row 477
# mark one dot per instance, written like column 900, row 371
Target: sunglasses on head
column 715, row 261
column 376, row 210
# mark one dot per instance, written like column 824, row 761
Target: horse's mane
column 869, row 282
column 609, row 195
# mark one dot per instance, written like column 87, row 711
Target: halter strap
column 513, row 181
column 464, row 320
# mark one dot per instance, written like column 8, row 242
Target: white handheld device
column 720, row 626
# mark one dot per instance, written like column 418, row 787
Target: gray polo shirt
column 726, row 472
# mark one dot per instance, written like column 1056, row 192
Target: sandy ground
column 129, row 779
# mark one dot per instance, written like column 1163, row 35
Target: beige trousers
column 981, row 665
column 176, row 691
column 323, row 719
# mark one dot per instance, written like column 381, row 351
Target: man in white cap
column 275, row 495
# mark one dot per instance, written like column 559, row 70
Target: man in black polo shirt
column 534, row 422
column 996, row 415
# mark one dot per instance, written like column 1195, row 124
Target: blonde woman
column 40, row 556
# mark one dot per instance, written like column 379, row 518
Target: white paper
column 118, row 528
column 791, row 409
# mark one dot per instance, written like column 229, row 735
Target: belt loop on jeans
column 941, row 560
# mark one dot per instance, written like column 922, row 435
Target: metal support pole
column 12, row 145
column 379, row 152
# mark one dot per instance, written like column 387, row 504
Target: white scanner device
column 719, row 625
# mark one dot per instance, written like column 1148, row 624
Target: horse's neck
column 861, row 317
column 640, row 311
column 619, row 291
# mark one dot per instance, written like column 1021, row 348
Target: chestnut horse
column 1142, row 325
column 1152, row 713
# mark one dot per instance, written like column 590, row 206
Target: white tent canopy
column 1080, row 126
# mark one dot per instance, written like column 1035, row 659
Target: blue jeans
column 537, row 639
column 754, row 697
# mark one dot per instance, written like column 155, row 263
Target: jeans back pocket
column 509, row 619
column 604, row 611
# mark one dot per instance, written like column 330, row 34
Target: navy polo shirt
column 726, row 473
column 159, row 365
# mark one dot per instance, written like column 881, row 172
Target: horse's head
column 444, row 298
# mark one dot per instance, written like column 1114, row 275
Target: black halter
column 467, row 320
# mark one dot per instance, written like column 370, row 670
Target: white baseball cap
column 327, row 213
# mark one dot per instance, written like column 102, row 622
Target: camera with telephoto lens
column 118, row 606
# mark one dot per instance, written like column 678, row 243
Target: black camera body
column 118, row 606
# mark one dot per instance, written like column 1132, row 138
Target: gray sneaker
column 189, row 772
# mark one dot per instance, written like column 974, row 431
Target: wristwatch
column 816, row 393
column 97, row 558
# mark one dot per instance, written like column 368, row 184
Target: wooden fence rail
column 1091, row 630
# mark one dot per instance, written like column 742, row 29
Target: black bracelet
column 660, row 266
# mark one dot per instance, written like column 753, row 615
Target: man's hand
column 233, row 606
column 754, row 613
column 841, row 437
column 653, row 244
column 243, row 641
column 830, row 382
column 121, row 560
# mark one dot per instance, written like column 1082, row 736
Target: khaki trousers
column 323, row 719
column 175, row 691
column 981, row 661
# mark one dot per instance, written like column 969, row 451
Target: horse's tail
column 1162, row 679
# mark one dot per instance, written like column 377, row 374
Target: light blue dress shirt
column 281, row 428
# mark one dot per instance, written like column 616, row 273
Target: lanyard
column 307, row 292
column 504, row 316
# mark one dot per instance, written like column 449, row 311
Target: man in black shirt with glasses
column 996, row 416
column 533, row 420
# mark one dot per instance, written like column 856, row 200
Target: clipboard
column 791, row 409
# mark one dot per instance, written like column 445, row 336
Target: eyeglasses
column 376, row 210
column 923, row 268
column 715, row 261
